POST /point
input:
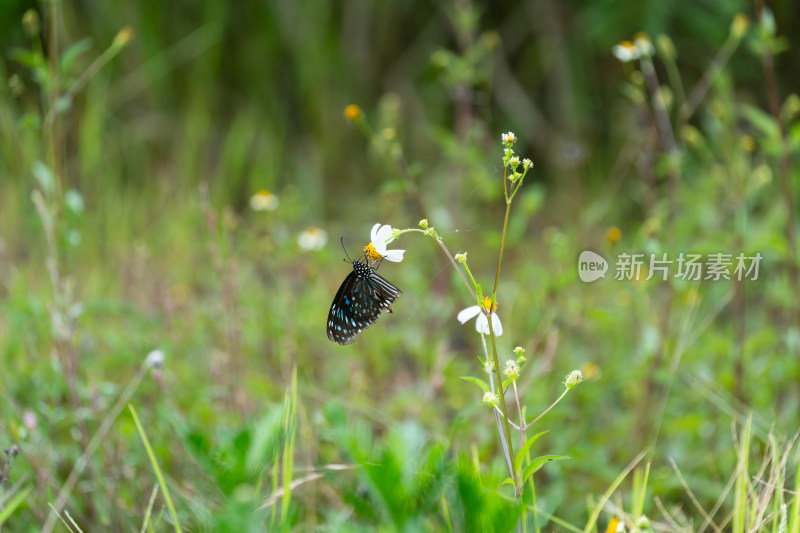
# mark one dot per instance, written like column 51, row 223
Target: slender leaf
column 12, row 505
column 477, row 381
column 73, row 52
column 523, row 451
column 540, row 462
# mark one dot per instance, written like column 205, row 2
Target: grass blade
column 161, row 481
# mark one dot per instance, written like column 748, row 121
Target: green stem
column 453, row 262
column 502, row 245
column 706, row 81
column 517, row 490
column 503, row 404
column 532, row 422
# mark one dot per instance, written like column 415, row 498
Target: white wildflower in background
column 155, row 359
column 482, row 323
column 509, row 137
column 380, row 237
column 312, row 239
column 625, row 51
column 264, row 200
column 643, row 45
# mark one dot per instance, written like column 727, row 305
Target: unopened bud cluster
column 511, row 370
column 512, row 161
column 491, row 399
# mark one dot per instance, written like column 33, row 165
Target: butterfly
column 364, row 294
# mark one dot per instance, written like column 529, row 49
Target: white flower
column 626, row 51
column 509, row 137
column 643, row 45
column 312, row 239
column 155, row 359
column 380, row 237
column 264, row 201
column 482, row 324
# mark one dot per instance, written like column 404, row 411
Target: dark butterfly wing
column 358, row 304
column 339, row 328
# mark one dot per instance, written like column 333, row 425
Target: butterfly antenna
column 348, row 260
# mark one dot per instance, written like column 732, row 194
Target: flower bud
column 739, row 25
column 573, row 379
column 352, row 112
column 155, row 359
column 511, row 370
column 491, row 399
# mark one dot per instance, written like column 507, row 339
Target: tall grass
column 133, row 137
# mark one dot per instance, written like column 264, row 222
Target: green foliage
column 131, row 150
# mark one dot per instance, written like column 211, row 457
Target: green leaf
column 73, row 52
column 523, row 451
column 507, row 481
column 32, row 60
column 538, row 463
column 762, row 121
column 43, row 176
column 477, row 381
column 12, row 505
column 74, row 201
column 393, row 186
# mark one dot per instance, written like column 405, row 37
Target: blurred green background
column 136, row 134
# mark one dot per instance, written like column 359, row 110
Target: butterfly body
column 363, row 295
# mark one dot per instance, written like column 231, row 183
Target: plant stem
column 700, row 90
column 497, row 411
column 532, row 422
column 503, row 404
column 519, row 410
column 502, row 245
column 517, row 488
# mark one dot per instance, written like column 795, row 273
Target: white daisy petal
column 469, row 312
column 496, row 325
column 482, row 324
column 380, row 236
column 394, row 255
column 385, row 234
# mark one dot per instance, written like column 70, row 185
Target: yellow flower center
column 263, row 200
column 613, row 234
column 487, row 304
column 352, row 112
column 371, row 253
